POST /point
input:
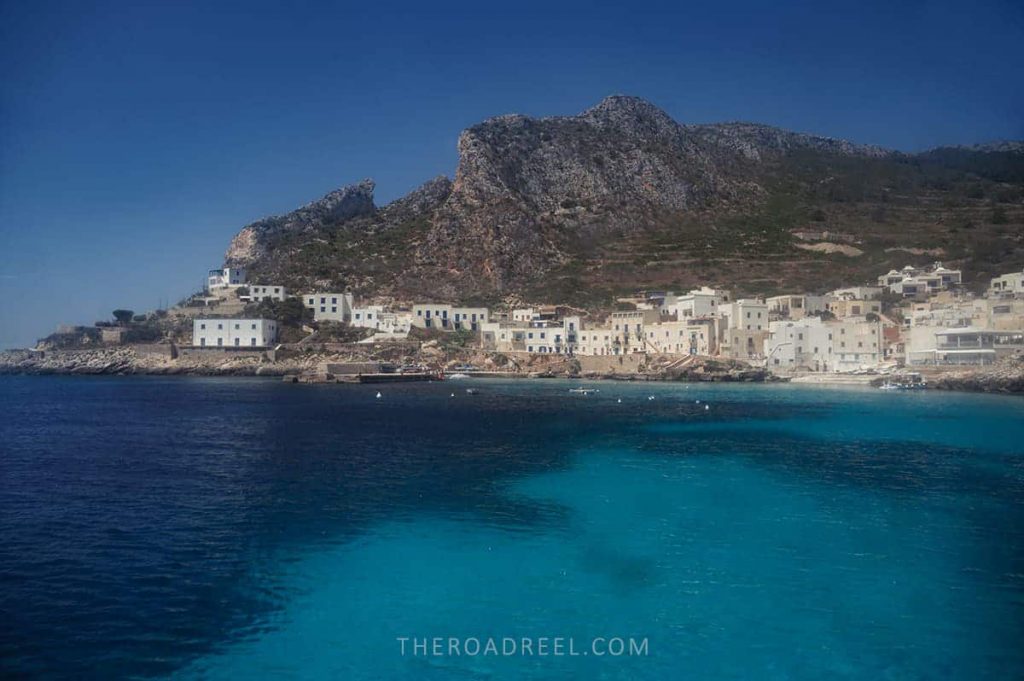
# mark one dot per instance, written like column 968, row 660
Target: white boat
column 909, row 381
column 456, row 377
column 583, row 391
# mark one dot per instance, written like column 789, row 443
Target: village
column 913, row 319
column 910, row 317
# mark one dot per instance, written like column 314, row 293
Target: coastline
column 307, row 366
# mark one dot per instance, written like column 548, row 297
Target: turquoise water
column 782, row 533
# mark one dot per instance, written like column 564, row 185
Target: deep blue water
column 245, row 528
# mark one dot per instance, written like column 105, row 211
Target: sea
column 244, row 528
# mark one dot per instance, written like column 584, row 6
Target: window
column 253, row 326
column 202, row 342
column 202, row 326
column 237, row 327
column 220, row 327
column 238, row 342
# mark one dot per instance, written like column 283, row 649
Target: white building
column 367, row 317
column 233, row 333
column 824, row 346
column 1008, row 285
column 796, row 306
column 597, row 341
column 330, row 307
column 749, row 314
column 259, row 293
column 913, row 282
column 448, row 317
column 856, row 345
column 227, row 277
column 539, row 336
column 806, row 343
column 685, row 337
column 700, row 302
column 857, row 292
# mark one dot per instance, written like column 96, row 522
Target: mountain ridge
column 543, row 205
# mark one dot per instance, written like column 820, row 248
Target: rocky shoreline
column 126, row 361
column 1005, row 377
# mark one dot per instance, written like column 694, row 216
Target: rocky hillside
column 622, row 197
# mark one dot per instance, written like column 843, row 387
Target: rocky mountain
column 621, row 197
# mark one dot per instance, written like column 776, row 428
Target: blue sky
column 137, row 137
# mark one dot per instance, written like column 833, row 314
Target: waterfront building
column 750, row 314
column 814, row 345
column 233, row 333
column 447, row 317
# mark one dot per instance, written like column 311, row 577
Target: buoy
column 698, row 401
column 706, row 407
column 453, row 394
column 378, row 395
column 620, row 400
column 650, row 397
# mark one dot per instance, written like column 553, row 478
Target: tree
column 289, row 312
column 872, row 317
column 123, row 317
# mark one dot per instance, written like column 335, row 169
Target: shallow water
column 245, row 528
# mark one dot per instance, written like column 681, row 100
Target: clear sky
column 137, row 137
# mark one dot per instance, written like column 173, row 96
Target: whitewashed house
column 259, row 293
column 233, row 333
column 367, row 317
column 448, row 317
column 1007, row 285
column 700, row 302
column 227, row 277
column 330, row 307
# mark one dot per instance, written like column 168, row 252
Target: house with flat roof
column 227, row 277
column 329, row 307
column 1007, row 285
column 258, row 293
column 233, row 333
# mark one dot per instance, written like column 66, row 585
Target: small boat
column 472, row 391
column 910, row 381
column 583, row 391
column 456, row 376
